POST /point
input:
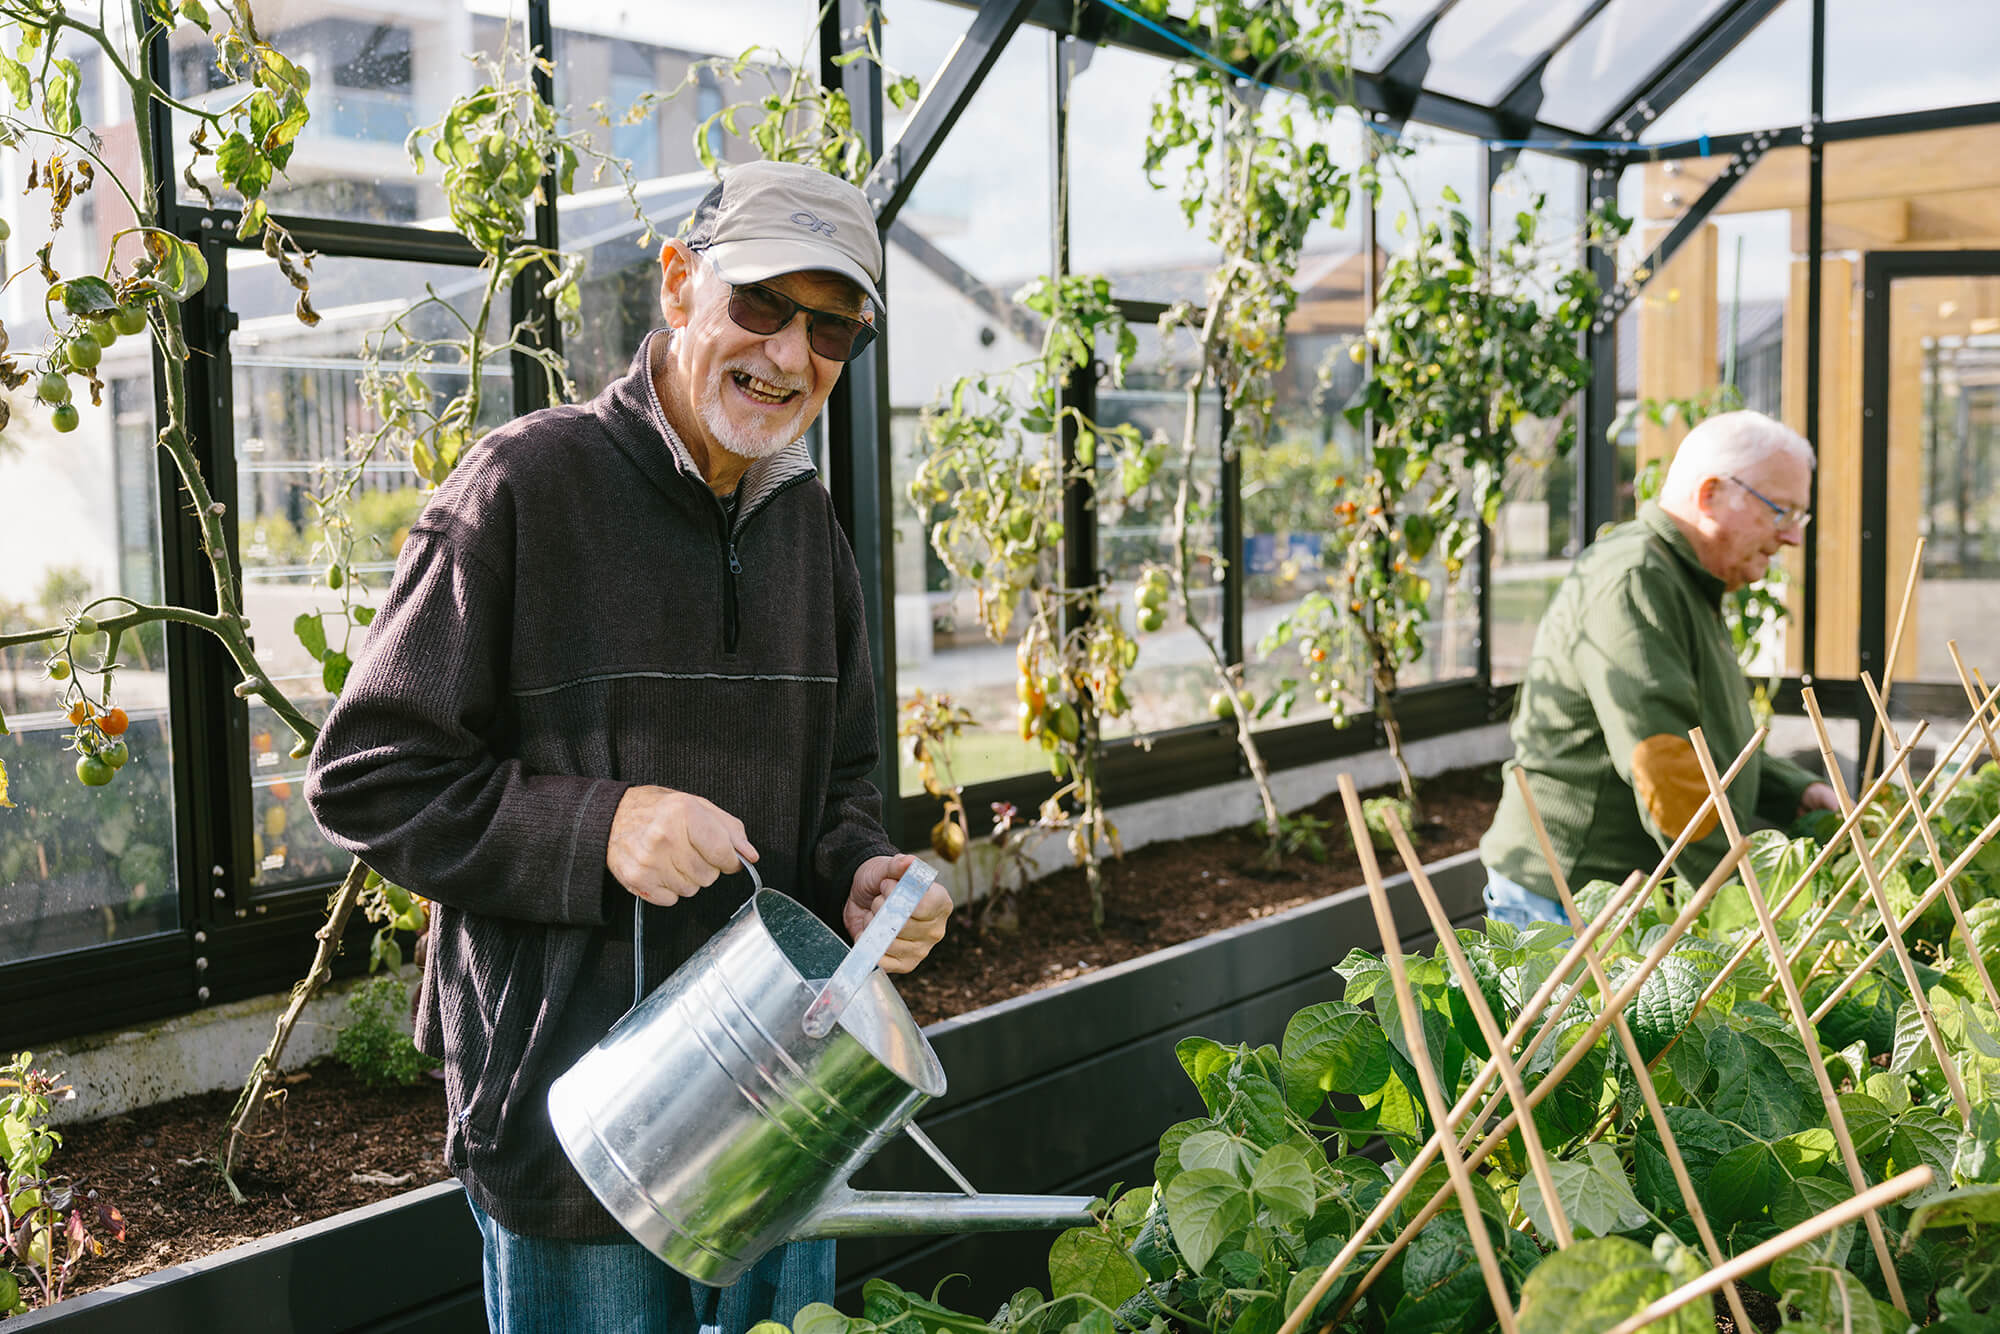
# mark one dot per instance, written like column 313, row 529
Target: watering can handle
column 847, row 980
column 639, row 934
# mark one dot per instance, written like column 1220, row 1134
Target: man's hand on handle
column 872, row 883
column 1818, row 797
column 667, row 845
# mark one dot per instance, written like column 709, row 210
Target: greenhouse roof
column 1565, row 76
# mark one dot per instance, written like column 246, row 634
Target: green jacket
column 1631, row 655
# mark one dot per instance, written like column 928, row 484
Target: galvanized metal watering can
column 725, row 1113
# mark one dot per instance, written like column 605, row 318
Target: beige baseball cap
column 767, row 218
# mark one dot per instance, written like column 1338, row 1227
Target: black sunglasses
column 758, row 309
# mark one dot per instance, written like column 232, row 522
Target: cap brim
column 755, row 260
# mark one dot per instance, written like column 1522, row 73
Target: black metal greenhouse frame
column 234, row 943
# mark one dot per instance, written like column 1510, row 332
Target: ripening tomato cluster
column 99, row 742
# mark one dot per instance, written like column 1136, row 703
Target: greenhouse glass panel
column 1171, row 684
column 1765, row 82
column 647, row 83
column 1399, row 19
column 79, row 865
column 1586, row 82
column 1121, row 224
column 1479, row 50
column 1535, row 536
column 1290, row 486
column 1944, row 468
column 304, row 428
column 377, row 73
column 1911, row 56
column 976, row 229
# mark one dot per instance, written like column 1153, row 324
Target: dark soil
column 337, row 1144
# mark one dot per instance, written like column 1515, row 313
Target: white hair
column 1727, row 443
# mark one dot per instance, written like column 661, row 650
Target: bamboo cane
column 1972, row 698
column 1569, row 1061
column 1405, row 1183
column 1648, row 1091
column 1895, row 650
column 1420, row 1057
column 1482, row 1015
column 1743, row 951
column 1931, row 848
column 1863, row 1205
column 1930, row 896
column 1796, row 1004
column 1818, row 923
column 1892, row 933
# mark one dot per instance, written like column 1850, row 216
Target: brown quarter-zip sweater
column 574, row 613
column 1631, row 656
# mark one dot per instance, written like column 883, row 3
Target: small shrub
column 372, row 1043
column 1375, row 811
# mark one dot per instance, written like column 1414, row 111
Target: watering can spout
column 847, row 1212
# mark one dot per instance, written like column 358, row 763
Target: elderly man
column 1631, row 656
column 623, row 655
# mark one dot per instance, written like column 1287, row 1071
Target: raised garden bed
column 1008, row 1063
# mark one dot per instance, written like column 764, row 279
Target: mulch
column 337, row 1144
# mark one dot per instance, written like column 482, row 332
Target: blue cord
column 1211, row 58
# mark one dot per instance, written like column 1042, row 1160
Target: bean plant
column 47, row 1230
column 1297, row 1145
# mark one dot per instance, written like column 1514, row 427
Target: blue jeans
column 544, row 1285
column 1507, row 901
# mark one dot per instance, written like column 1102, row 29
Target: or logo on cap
column 813, row 224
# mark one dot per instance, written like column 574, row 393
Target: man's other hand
column 872, row 883
column 666, row 845
column 1818, row 797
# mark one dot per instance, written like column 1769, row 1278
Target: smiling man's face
column 751, row 394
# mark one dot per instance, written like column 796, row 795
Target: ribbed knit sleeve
column 405, row 774
column 850, row 829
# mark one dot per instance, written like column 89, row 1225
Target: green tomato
column 1151, row 596
column 335, row 576
column 94, row 770
column 101, row 328
column 1222, row 704
column 84, row 352
column 6, row 229
column 128, row 319
column 86, row 625
column 58, row 669
column 116, row 754
column 53, row 387
column 1151, row 619
column 65, row 418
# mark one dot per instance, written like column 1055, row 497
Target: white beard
column 743, row 443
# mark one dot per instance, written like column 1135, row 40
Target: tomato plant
column 992, row 480
column 1472, row 347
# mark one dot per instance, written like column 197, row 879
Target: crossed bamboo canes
column 1446, row 1131
column 1767, row 926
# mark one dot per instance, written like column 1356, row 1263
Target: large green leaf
column 1219, row 1149
column 1284, row 1183
column 1967, row 1205
column 1922, row 1136
column 1743, row 1183
column 1764, row 1077
column 1977, row 1158
column 1596, row 1284
column 1702, row 1140
column 1807, row 1198
column 1826, row 1294
column 1204, row 1207
column 1868, row 1122
column 1167, row 1165
column 1665, row 1003
column 1443, row 1287
column 1594, row 1192
column 1332, row 1048
column 1087, row 1262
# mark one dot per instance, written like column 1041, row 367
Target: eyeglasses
column 1785, row 516
column 758, row 309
